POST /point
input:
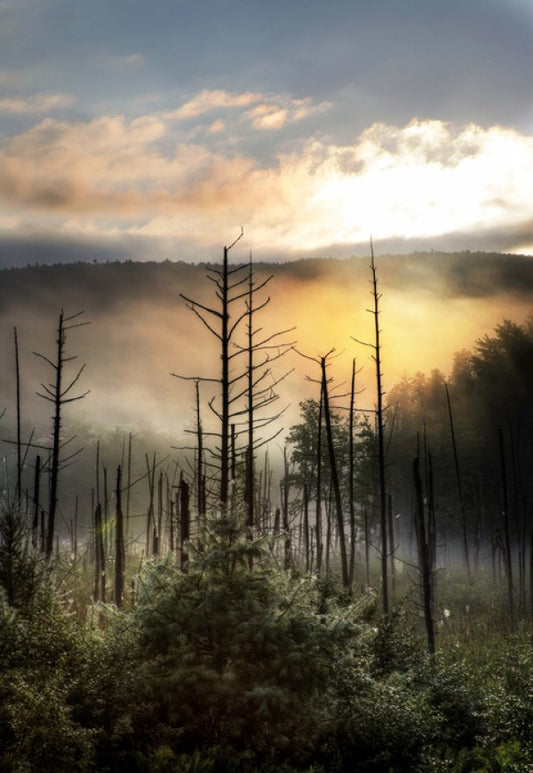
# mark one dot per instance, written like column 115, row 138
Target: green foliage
column 510, row 701
column 303, row 438
column 398, row 645
column 490, row 388
column 22, row 572
column 41, row 656
column 236, row 660
column 225, row 668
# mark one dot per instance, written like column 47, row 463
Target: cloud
column 275, row 115
column 260, row 111
column 267, row 117
column 141, row 178
column 217, row 126
column 207, row 101
column 36, row 103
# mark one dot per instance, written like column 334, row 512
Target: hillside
column 434, row 304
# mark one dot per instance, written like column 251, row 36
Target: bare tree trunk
column 353, row 528
column 334, row 477
column 128, row 530
column 506, row 532
column 319, row 540
column 99, row 564
column 19, row 438
column 158, row 538
column 391, row 543
column 531, row 574
column 225, row 410
column 381, row 440
column 185, row 521
column 249, row 459
column 459, row 488
column 58, row 395
column 277, row 520
column 328, row 526
column 424, row 560
column 200, row 499
column 367, row 549
column 120, row 554
column 36, row 501
column 97, row 568
column 306, row 528
column 285, row 510
column 380, row 422
column 106, row 519
column 56, row 440
column 98, row 498
column 171, row 518
column 150, row 514
column 432, row 522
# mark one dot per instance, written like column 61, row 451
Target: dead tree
column 424, row 558
column 318, row 524
column 228, row 283
column 260, row 385
column 351, row 473
column 392, row 547
column 19, row 439
column 506, row 530
column 120, row 553
column 128, row 482
column 185, row 522
column 251, row 384
column 284, row 491
column 332, row 458
column 99, row 556
column 306, row 541
column 151, row 526
column 459, row 479
column 200, row 478
column 36, row 501
column 59, row 395
column 380, row 423
column 367, row 549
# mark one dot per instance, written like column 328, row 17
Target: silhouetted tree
column 380, row 422
column 59, row 395
column 244, row 390
column 425, row 564
column 120, row 553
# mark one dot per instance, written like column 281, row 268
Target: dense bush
column 229, row 668
column 42, row 653
column 240, row 662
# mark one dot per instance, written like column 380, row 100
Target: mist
column 140, row 331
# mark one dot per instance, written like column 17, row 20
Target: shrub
column 237, row 662
column 41, row 655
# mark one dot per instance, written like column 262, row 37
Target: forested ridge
column 346, row 585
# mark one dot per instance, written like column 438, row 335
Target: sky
column 135, row 130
